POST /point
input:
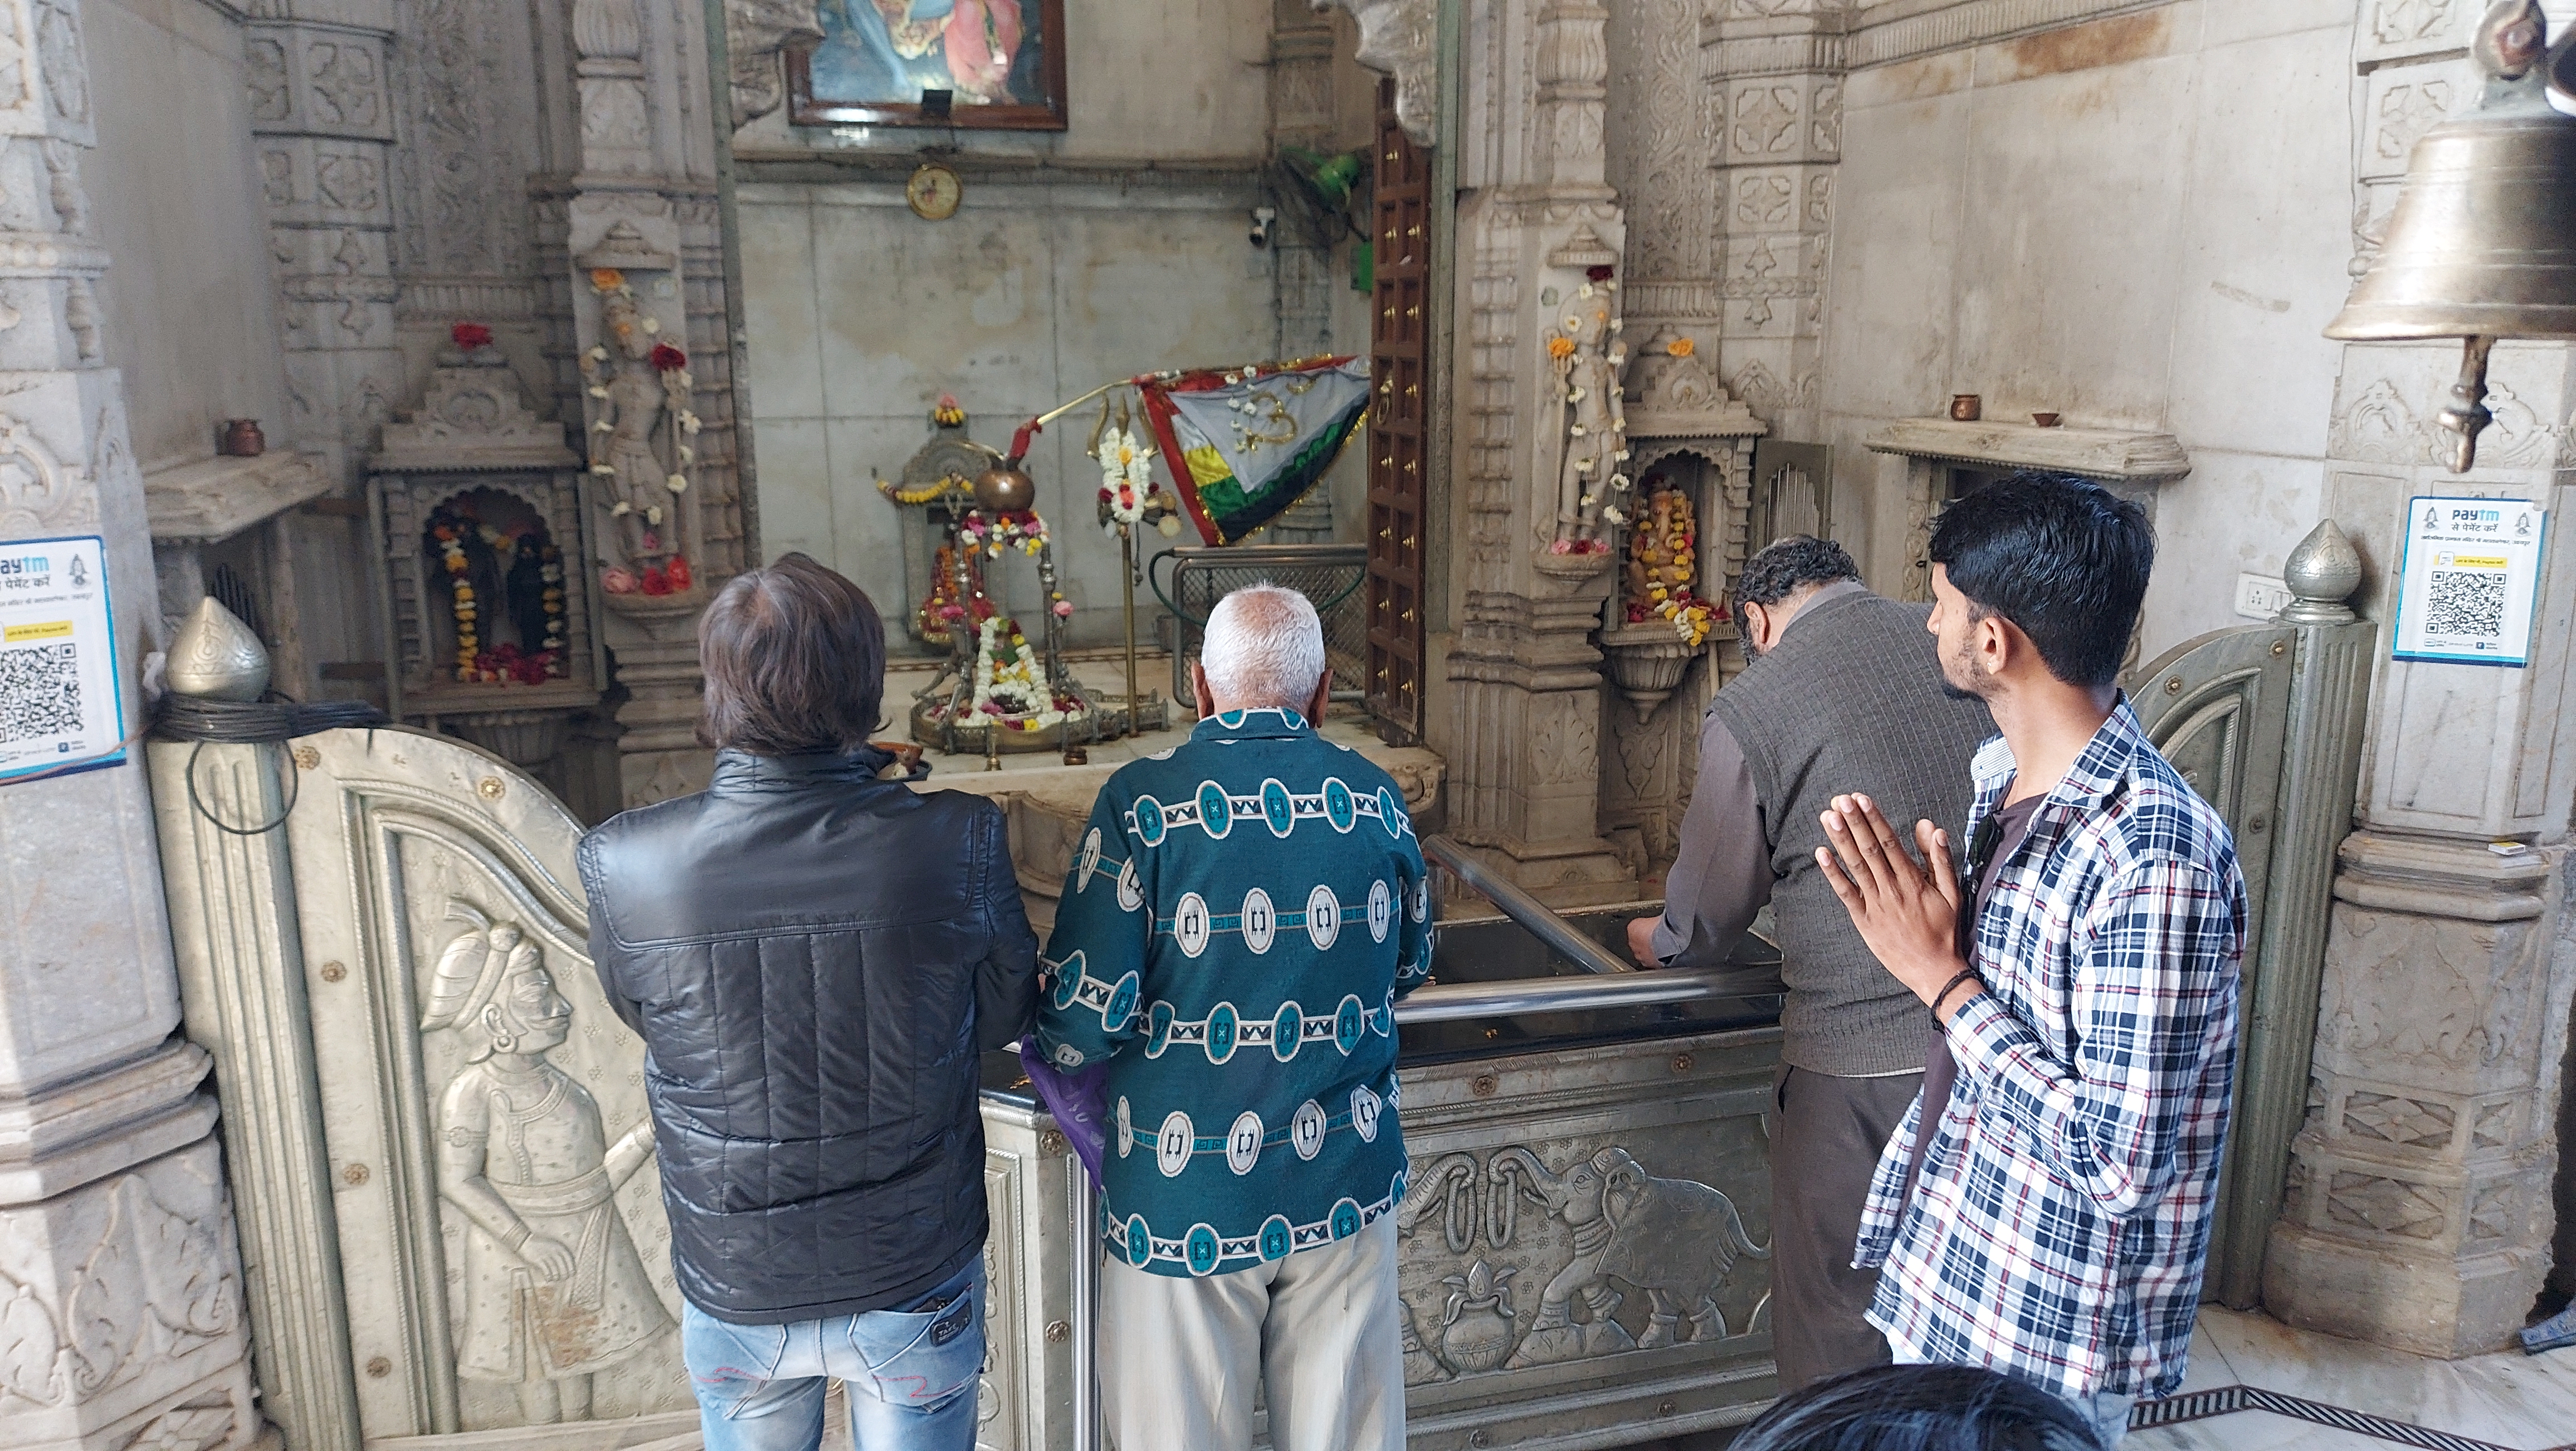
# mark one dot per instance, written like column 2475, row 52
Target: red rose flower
column 678, row 573
column 1599, row 274
column 666, row 358
column 470, row 335
column 656, row 582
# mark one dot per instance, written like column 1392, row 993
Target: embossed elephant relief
column 1677, row 1241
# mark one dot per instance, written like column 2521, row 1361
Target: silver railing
column 1615, row 984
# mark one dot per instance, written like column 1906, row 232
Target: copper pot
column 1006, row 488
column 242, row 438
column 1966, row 407
column 2044, row 420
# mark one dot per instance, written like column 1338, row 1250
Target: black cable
column 252, row 723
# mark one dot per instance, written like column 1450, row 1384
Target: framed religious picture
column 995, row 64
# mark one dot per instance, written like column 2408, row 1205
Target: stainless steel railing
column 1615, row 984
column 1534, row 916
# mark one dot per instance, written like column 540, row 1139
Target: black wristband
column 1948, row 988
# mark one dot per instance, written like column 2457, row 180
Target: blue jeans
column 910, row 1374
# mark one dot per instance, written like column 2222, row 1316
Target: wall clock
column 934, row 192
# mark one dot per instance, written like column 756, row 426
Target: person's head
column 1779, row 580
column 794, row 657
column 2037, row 578
column 1919, row 1408
column 1264, row 650
column 492, row 987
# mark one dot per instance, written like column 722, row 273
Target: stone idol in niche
column 1592, row 482
column 642, row 434
column 553, row 1288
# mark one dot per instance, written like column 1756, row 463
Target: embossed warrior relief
column 1601, row 1258
column 553, row 1290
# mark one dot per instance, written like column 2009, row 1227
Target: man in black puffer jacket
column 815, row 960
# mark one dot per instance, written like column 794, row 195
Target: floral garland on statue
column 1662, row 590
column 1561, row 348
column 1007, row 687
column 671, row 364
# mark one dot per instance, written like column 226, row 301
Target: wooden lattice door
column 1399, row 350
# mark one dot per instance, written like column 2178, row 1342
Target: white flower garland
column 1126, row 474
column 1025, row 700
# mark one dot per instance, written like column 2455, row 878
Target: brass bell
column 2482, row 244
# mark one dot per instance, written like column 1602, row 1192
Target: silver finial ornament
column 2322, row 573
column 216, row 657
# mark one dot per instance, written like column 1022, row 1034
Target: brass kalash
column 2482, row 244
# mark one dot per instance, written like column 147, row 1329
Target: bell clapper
column 2468, row 415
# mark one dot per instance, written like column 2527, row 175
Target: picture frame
column 961, row 64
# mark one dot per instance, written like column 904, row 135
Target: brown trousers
column 1831, row 1131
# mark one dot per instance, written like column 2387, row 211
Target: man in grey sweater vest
column 1844, row 688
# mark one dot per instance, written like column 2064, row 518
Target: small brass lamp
column 2482, row 244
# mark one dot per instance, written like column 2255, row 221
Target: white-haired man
column 1243, row 913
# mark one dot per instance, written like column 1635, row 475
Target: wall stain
column 2116, row 41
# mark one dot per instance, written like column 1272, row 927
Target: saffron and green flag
column 1245, row 443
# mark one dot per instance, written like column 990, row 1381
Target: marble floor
column 2257, row 1385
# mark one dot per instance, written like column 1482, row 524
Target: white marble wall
column 189, row 308
column 2141, row 222
column 1125, row 252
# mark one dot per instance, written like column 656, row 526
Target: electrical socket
column 2260, row 597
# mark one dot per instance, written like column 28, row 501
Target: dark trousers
column 1830, row 1133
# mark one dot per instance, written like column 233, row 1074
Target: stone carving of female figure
column 1587, row 372
column 642, row 502
column 553, row 1288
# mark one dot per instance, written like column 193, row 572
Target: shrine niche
column 936, row 489
column 479, row 538
column 1691, row 449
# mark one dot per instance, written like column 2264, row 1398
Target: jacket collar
column 2100, row 772
column 1272, row 724
column 1840, row 589
column 744, row 773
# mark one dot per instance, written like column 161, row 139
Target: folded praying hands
column 1907, row 916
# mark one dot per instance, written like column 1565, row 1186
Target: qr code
column 39, row 692
column 2466, row 602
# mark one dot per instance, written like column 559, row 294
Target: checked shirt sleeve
column 1091, row 977
column 2154, row 1003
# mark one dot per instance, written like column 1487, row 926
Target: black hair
column 2064, row 559
column 1782, row 568
column 1919, row 1408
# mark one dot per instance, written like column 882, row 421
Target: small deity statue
column 642, row 465
column 554, row 1290
column 1659, row 547
column 1588, row 365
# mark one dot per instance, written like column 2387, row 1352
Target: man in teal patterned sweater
column 1244, row 912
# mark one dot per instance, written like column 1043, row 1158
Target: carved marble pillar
column 120, row 1287
column 323, row 116
column 1523, row 735
column 2419, row 1211
column 1773, row 72
column 646, row 186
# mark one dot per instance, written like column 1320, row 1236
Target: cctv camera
column 1262, row 217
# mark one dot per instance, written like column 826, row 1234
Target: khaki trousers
column 1180, row 1359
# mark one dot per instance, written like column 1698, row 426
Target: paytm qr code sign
column 62, row 702
column 2469, row 582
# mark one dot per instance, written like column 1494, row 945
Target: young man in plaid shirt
column 2044, row 1210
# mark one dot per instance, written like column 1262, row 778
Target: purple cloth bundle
column 1078, row 1100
